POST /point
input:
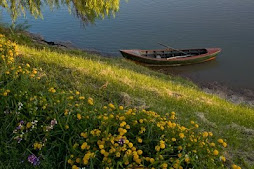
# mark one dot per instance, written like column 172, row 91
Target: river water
column 227, row 24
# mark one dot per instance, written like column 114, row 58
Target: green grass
column 123, row 82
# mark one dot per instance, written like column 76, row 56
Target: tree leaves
column 87, row 10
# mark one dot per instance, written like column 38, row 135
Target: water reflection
column 188, row 69
column 87, row 10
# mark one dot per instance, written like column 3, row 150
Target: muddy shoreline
column 235, row 95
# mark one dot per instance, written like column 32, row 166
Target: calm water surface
column 228, row 24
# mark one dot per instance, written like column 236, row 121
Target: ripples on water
column 227, row 24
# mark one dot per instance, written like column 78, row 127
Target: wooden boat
column 171, row 57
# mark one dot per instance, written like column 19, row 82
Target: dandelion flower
column 222, row 158
column 220, row 140
column 152, row 160
column 74, row 167
column 224, row 144
column 215, row 152
column 79, row 116
column 181, row 135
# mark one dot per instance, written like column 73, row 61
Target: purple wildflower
column 53, row 122
column 33, row 159
column 121, row 141
column 20, row 125
column 19, row 139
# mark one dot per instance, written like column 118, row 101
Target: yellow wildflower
column 29, row 125
column 85, row 161
column 122, row 118
column 220, row 140
column 224, row 144
column 142, row 130
column 78, row 160
column 235, row 167
column 111, row 106
column 127, row 126
column 79, row 116
column 122, row 131
column 162, row 146
column 85, row 135
column 210, row 134
column 139, row 140
column 164, row 165
column 187, row 159
column 75, row 145
column 130, row 145
column 181, row 135
column 212, row 144
column 74, row 167
column 118, row 154
column 122, row 124
column 205, row 134
column 222, row 158
column 152, row 160
column 179, row 147
column 70, row 162
column 102, row 151
column 157, row 148
column 90, row 101
column 84, row 145
column 66, row 112
column 140, row 152
column 52, row 90
column 215, row 152
column 5, row 94
column 81, row 98
column 37, row 146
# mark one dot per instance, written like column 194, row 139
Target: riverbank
column 235, row 95
column 68, row 73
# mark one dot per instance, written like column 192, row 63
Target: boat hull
column 209, row 55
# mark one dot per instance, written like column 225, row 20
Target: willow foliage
column 86, row 10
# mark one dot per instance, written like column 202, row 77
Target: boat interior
column 166, row 54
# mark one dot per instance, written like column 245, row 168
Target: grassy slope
column 123, row 82
column 131, row 85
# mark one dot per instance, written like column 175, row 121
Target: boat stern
column 214, row 50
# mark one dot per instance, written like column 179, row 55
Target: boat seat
column 135, row 52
